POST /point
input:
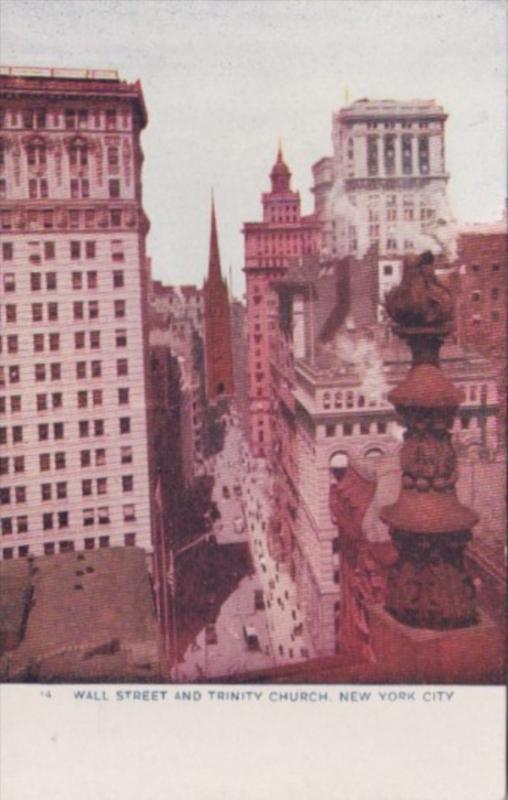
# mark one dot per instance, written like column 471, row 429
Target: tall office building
column 385, row 185
column 284, row 237
column 73, row 428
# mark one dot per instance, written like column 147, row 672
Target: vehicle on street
column 239, row 525
column 250, row 635
column 211, row 634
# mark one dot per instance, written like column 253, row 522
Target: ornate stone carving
column 427, row 586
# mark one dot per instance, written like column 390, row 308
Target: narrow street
column 259, row 625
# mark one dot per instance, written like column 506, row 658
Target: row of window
column 51, row 282
column 87, row 458
column 78, row 188
column 53, row 341
column 18, row 494
column 61, row 519
column 67, row 546
column 13, row 374
column 73, row 118
column 348, row 399
column 77, row 249
column 73, row 217
column 364, row 428
column 85, row 428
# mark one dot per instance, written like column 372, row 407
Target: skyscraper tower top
column 280, row 175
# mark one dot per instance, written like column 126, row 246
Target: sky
column 224, row 80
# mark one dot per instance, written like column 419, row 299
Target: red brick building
column 282, row 238
column 218, row 350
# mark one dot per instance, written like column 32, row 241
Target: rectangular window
column 59, row 460
column 37, row 312
column 78, row 309
column 77, row 280
column 54, row 341
column 45, row 491
column 91, row 280
column 372, row 155
column 42, row 402
column 103, row 515
column 90, row 249
column 121, row 337
column 56, row 372
column 44, row 462
column 125, row 425
column 97, row 397
column 123, row 396
column 52, row 311
column 61, row 490
column 114, row 187
column 93, row 309
column 100, row 457
column 51, row 282
column 79, row 340
column 49, row 250
column 63, row 519
column 85, row 458
column 122, row 367
column 86, row 487
column 75, row 248
column 57, row 399
column 88, row 516
column 119, row 308
column 126, row 455
column 96, row 369
column 118, row 279
column 95, row 339
column 47, row 521
column 81, row 370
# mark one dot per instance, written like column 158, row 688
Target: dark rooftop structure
column 80, row 616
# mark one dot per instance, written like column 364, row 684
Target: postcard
column 252, row 399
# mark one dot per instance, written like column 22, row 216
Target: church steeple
column 280, row 174
column 214, row 271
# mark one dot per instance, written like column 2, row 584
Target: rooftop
column 84, row 606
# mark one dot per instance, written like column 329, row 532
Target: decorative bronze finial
column 427, row 586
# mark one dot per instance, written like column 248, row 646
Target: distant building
column 85, row 616
column 178, row 303
column 240, row 359
column 218, row 351
column 283, row 237
column 73, row 365
column 385, row 184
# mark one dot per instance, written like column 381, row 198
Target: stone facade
column 386, row 181
column 74, row 463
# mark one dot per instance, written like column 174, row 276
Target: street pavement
column 279, row 625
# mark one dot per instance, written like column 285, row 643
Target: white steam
column 363, row 354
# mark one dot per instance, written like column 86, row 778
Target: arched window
column 374, row 452
column 338, row 465
column 338, row 400
column 326, row 400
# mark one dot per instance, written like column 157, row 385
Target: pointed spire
column 280, row 174
column 214, row 272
